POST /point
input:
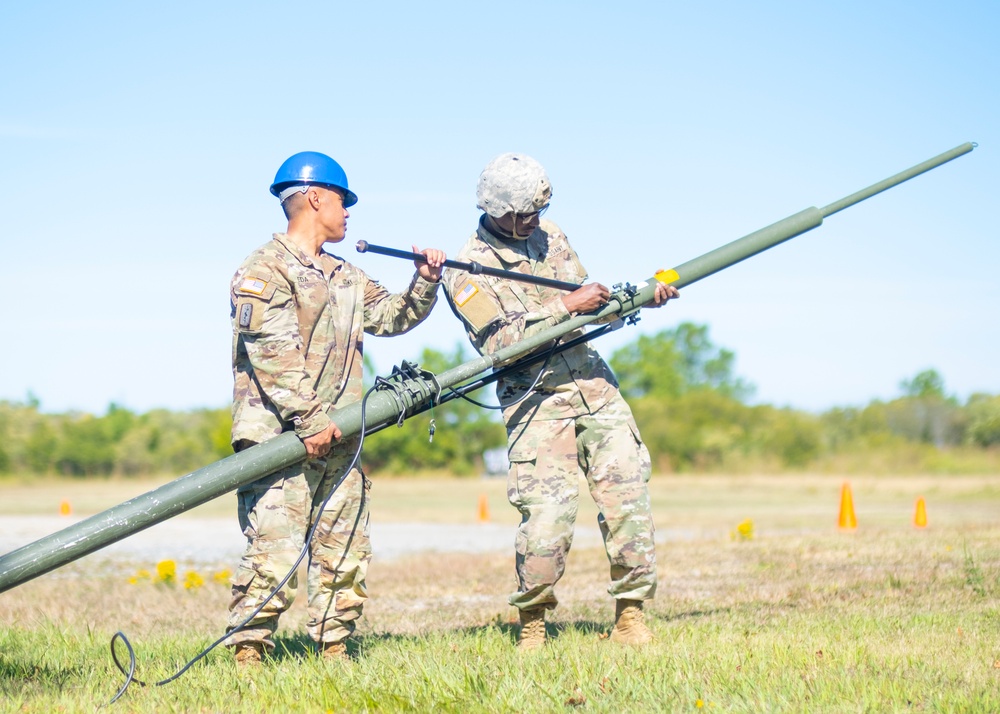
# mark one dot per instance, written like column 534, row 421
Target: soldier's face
column 333, row 215
column 519, row 224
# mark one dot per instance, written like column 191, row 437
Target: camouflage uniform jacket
column 498, row 312
column 297, row 331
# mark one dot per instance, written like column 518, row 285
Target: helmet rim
column 312, row 168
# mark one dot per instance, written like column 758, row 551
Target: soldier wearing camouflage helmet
column 573, row 418
column 298, row 315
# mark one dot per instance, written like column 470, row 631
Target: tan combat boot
column 532, row 630
column 249, row 654
column 335, row 652
column 629, row 626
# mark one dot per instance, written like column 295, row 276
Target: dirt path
column 213, row 541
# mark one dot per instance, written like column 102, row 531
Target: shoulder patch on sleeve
column 249, row 315
column 253, row 286
column 466, row 294
column 258, row 285
column 474, row 305
column 251, row 296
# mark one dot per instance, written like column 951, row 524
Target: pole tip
column 362, row 246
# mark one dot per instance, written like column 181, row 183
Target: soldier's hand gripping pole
column 473, row 267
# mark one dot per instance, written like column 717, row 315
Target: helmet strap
column 291, row 191
column 513, row 227
column 498, row 230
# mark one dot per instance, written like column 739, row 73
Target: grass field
column 798, row 618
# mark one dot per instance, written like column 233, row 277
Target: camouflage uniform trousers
column 276, row 513
column 543, row 484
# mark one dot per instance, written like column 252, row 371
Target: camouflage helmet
column 513, row 183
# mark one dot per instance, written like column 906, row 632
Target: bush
column 983, row 427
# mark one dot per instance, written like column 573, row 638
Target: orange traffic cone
column 64, row 508
column 847, row 520
column 484, row 509
column 920, row 514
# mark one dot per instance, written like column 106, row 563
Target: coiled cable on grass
column 130, row 673
column 379, row 383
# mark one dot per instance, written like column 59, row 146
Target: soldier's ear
column 313, row 197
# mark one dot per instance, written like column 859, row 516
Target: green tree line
column 693, row 410
column 694, row 416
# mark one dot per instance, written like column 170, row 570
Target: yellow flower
column 166, row 572
column 193, row 580
column 139, row 575
column 744, row 531
column 698, row 703
column 222, row 577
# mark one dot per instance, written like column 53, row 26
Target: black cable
column 557, row 348
column 527, row 393
column 560, row 347
column 130, row 675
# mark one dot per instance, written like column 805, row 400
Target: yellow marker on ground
column 920, row 513
column 846, row 520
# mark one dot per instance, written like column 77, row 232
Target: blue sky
column 138, row 142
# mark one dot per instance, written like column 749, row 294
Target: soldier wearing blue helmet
column 299, row 314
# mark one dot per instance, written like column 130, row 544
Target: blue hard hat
column 312, row 167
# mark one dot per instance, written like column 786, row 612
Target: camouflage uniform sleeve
column 394, row 313
column 577, row 271
column 265, row 319
column 490, row 327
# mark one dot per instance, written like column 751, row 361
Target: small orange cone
column 64, row 508
column 920, row 514
column 484, row 509
column 847, row 520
